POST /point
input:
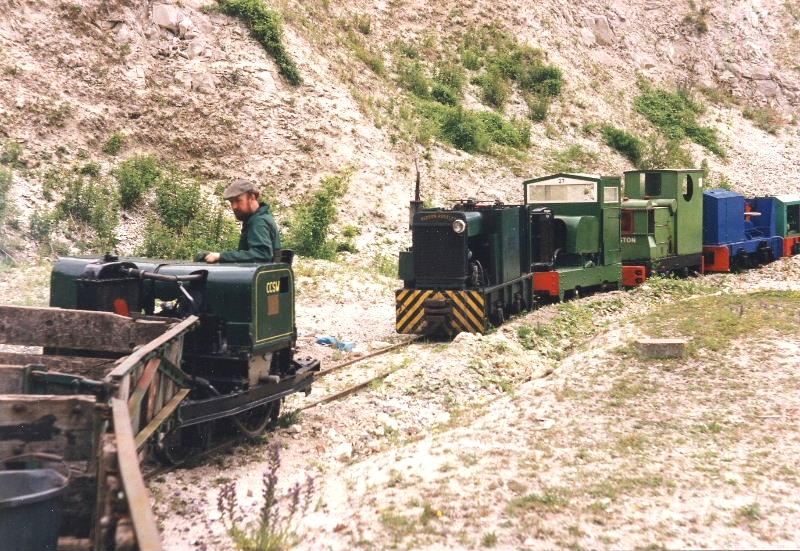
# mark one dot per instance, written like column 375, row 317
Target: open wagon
column 100, row 387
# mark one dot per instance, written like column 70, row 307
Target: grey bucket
column 30, row 514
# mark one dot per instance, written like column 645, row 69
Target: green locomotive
column 661, row 224
column 474, row 264
column 585, row 228
column 240, row 360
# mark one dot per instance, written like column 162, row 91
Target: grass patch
column 88, row 209
column 675, row 114
column 489, row 539
column 11, row 155
column 370, row 57
column 399, row 526
column 552, row 499
column 624, row 390
column 5, row 186
column 574, row 158
column 696, row 18
column 749, row 513
column 573, row 323
column 712, row 323
column 266, row 27
column 765, row 118
column 504, row 61
column 614, row 486
column 474, row 131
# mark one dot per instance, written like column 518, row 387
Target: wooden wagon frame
column 100, row 389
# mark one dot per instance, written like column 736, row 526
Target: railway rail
column 229, row 442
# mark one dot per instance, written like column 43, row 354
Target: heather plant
column 275, row 528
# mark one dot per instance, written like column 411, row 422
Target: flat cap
column 238, row 187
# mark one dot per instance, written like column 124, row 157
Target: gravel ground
column 559, row 440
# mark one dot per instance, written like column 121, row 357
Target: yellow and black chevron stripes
column 467, row 310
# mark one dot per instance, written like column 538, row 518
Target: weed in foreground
column 275, row 529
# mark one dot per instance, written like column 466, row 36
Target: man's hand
column 212, row 258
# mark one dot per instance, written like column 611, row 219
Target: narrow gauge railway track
column 232, row 441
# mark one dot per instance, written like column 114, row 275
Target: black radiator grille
column 439, row 253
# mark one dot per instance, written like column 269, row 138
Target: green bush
column 461, row 128
column 93, row 204
column 12, row 154
column 675, row 114
column 624, row 142
column 660, row 152
column 451, row 75
column 178, row 200
column 444, row 94
column 514, row 133
column 135, row 177
column 213, row 231
column 265, row 25
column 411, row 76
column 114, row 144
column 310, row 225
column 41, row 226
column 537, row 107
column 495, row 89
column 572, row 159
column 474, row 131
column 5, row 186
column 90, row 169
column 543, row 80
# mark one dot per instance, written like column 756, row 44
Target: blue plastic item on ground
column 345, row 346
column 327, row 340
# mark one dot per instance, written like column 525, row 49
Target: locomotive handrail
column 142, row 274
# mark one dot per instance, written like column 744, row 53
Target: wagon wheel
column 177, row 445
column 498, row 316
column 253, row 422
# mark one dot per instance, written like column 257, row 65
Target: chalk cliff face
column 190, row 85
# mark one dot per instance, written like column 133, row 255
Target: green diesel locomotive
column 239, row 362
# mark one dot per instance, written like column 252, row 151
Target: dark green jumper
column 259, row 240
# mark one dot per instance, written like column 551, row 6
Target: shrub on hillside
column 675, row 114
column 135, row 177
column 265, row 25
column 309, row 233
column 624, row 142
column 94, row 204
column 178, row 200
column 5, row 186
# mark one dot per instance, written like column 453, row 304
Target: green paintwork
column 681, row 192
column 583, row 234
column 500, row 243
column 237, row 293
column 652, row 231
column 591, row 217
column 586, row 278
column 788, row 215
